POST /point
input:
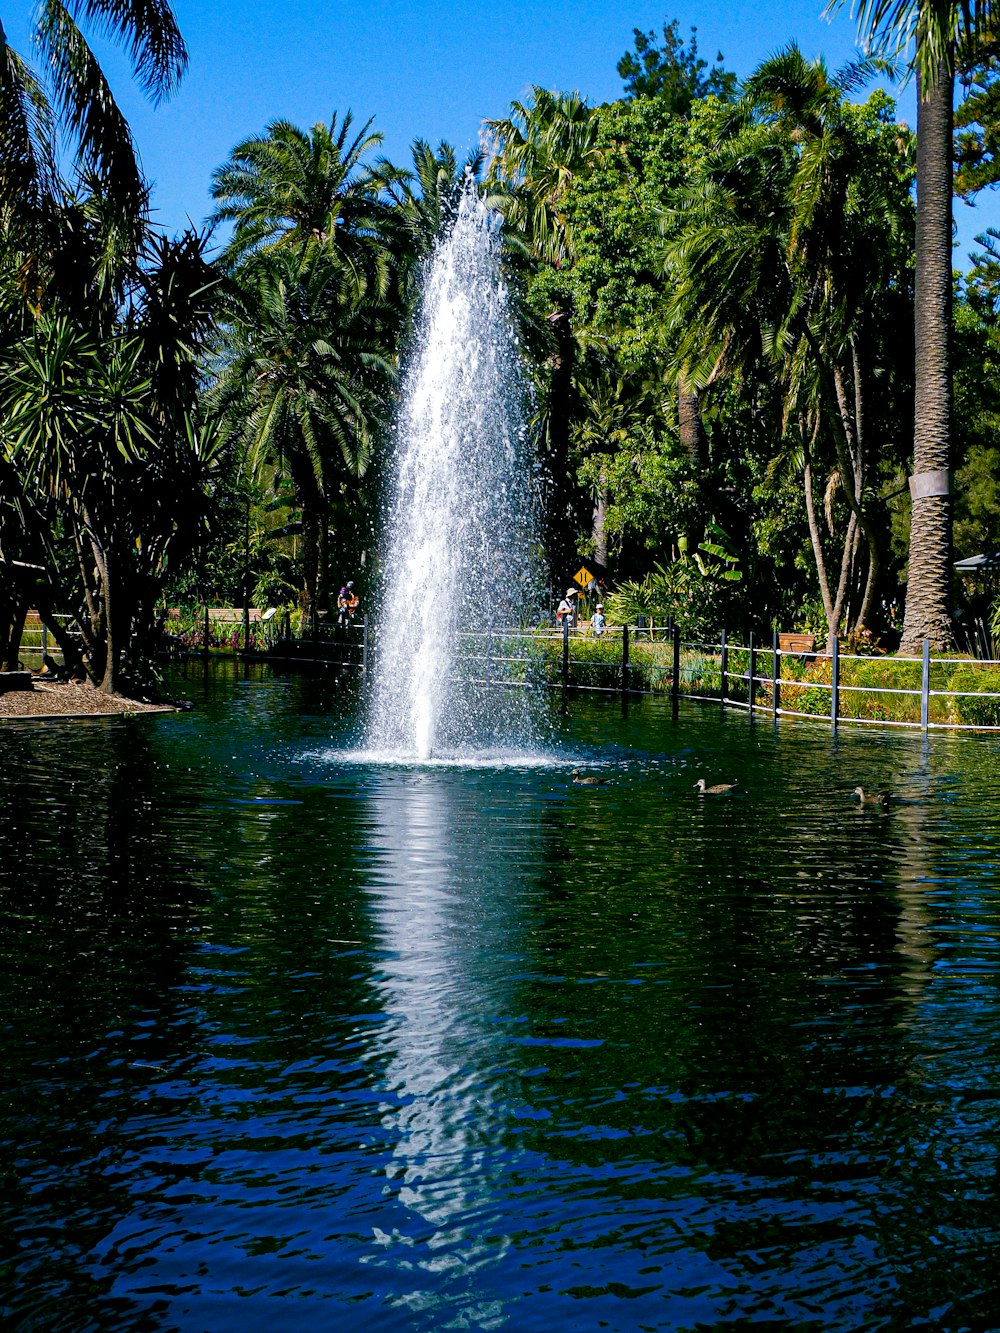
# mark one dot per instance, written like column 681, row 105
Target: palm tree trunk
column 310, row 564
column 928, row 587
column 691, row 429
column 322, row 564
column 560, row 509
column 598, row 529
column 690, row 424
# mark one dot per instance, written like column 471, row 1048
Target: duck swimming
column 719, row 789
column 881, row 798
column 589, row 779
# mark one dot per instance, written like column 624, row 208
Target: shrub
column 694, row 591
column 651, row 664
column 973, row 710
column 875, row 674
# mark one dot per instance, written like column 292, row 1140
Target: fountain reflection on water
column 447, row 984
column 460, row 527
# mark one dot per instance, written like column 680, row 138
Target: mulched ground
column 49, row 699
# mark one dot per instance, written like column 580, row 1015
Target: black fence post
column 624, row 664
column 204, row 647
column 834, row 680
column 675, row 681
column 723, row 671
column 565, row 651
column 775, row 675
column 751, row 684
column 925, row 687
column 364, row 644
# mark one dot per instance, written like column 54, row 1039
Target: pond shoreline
column 65, row 700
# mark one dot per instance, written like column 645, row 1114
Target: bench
column 797, row 643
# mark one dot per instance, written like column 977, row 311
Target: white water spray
column 458, row 564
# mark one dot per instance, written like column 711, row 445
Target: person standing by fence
column 566, row 610
column 348, row 603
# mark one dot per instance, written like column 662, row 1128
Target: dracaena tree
column 103, row 436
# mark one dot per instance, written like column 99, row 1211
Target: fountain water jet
column 460, row 530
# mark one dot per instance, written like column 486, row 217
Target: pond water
column 292, row 1042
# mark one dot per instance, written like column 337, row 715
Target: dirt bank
column 49, row 699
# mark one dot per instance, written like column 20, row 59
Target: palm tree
column 294, row 189
column 426, row 197
column 305, row 354
column 301, row 385
column 538, row 152
column 937, row 27
column 72, row 94
column 423, row 201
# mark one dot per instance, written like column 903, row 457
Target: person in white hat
column 566, row 610
column 597, row 621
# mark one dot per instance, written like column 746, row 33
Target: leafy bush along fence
column 278, row 635
column 834, row 686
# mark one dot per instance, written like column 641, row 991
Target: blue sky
column 420, row 68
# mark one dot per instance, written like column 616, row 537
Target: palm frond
column 26, row 136
column 88, row 107
column 148, row 31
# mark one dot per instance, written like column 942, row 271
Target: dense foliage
column 715, row 285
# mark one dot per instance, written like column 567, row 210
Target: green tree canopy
column 672, row 73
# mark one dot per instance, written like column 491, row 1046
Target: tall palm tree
column 936, row 27
column 305, row 355
column 72, row 94
column 538, row 151
column 422, row 202
column 426, row 197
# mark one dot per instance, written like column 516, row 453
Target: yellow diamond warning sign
column 583, row 576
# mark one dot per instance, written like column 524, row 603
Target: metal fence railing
column 37, row 642
column 250, row 633
column 830, row 685
column 782, row 676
